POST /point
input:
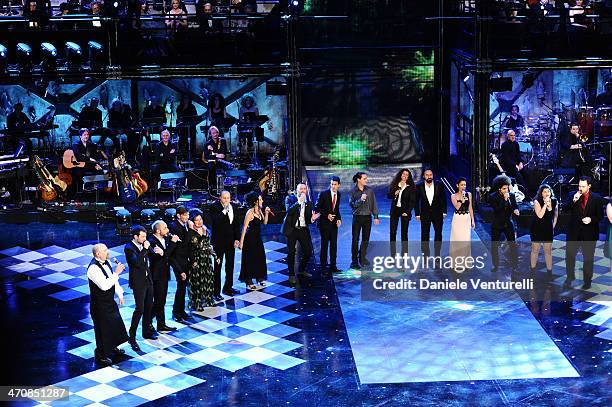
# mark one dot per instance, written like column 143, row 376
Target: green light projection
column 349, row 149
column 422, row 73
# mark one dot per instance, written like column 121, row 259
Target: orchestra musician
column 514, row 120
column 186, row 118
column 165, row 154
column 510, row 158
column 120, row 121
column 248, row 111
column 214, row 154
column 216, row 109
column 89, row 153
column 18, row 120
column 153, row 117
column 605, row 98
column 574, row 155
column 91, row 117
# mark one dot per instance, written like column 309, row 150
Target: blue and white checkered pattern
column 235, row 334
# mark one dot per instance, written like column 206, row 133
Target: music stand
column 98, row 182
column 168, row 180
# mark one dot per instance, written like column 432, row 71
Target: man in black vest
column 295, row 227
column 430, row 209
column 160, row 270
column 180, row 263
column 328, row 205
column 225, row 238
column 108, row 325
column 504, row 206
column 141, row 283
column 583, row 231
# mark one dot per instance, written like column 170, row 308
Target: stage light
column 296, row 3
column 94, row 54
column 124, row 222
column 3, row 57
column 147, row 217
column 48, row 55
column 466, row 78
column 24, row 56
column 169, row 215
column 73, row 53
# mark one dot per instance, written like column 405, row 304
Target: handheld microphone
column 115, row 260
column 271, row 213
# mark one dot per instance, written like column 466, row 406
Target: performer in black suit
column 165, row 156
column 160, row 270
column 504, row 206
column 328, row 206
column 430, row 209
column 141, row 283
column 225, row 239
column 179, row 260
column 214, row 150
column 510, row 159
column 583, row 231
column 295, row 227
column 402, row 193
column 103, row 285
column 572, row 152
column 362, row 200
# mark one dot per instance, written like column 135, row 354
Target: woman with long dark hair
column 402, row 192
column 201, row 276
column 461, row 225
column 253, row 264
column 543, row 225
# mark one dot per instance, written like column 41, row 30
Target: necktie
column 333, row 202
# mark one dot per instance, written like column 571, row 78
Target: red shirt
column 585, row 200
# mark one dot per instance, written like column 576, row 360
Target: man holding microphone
column 583, row 231
column 103, row 285
column 363, row 203
column 299, row 216
column 504, row 206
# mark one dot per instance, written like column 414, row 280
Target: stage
column 316, row 343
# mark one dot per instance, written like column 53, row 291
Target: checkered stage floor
column 235, row 334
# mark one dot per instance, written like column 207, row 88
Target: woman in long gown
column 543, row 226
column 461, row 226
column 201, row 277
column 253, row 264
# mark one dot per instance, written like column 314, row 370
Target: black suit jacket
column 438, row 206
column 594, row 210
column 502, row 210
column 223, row 232
column 179, row 260
column 160, row 265
column 292, row 216
column 84, row 152
column 510, row 155
column 138, row 266
column 324, row 207
column 408, row 200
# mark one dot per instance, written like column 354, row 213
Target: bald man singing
column 109, row 329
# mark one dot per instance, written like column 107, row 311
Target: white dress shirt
column 399, row 197
column 302, row 219
column 229, row 211
column 429, row 191
column 97, row 276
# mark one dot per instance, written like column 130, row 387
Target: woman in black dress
column 402, row 193
column 253, row 265
column 542, row 228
